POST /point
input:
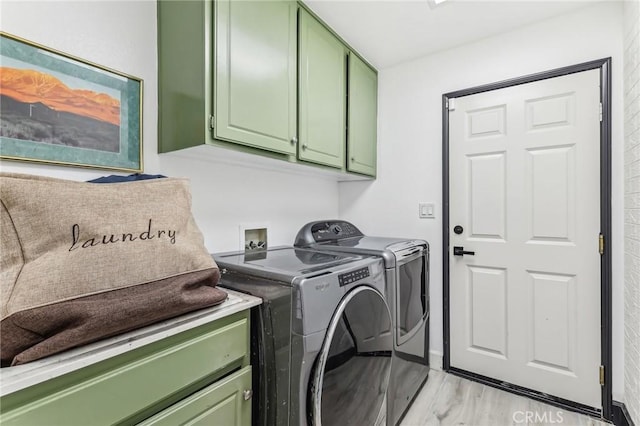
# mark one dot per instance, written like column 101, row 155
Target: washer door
column 351, row 373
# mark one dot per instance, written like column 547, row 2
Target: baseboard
column 435, row 360
column 620, row 414
column 528, row 393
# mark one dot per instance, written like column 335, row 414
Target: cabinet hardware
column 602, row 375
column 304, row 146
column 601, row 244
column 294, row 140
column 247, row 394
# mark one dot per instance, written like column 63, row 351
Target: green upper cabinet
column 184, row 88
column 363, row 113
column 264, row 77
column 255, row 73
column 322, row 94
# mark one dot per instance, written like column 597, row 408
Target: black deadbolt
column 458, row 229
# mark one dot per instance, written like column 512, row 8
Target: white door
column 525, row 188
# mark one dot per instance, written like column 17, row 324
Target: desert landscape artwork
column 37, row 106
column 61, row 109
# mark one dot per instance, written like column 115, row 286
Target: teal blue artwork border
column 129, row 156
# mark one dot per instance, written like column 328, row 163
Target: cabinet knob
column 247, row 394
column 294, row 140
column 304, row 146
column 353, row 159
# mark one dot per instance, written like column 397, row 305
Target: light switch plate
column 427, row 210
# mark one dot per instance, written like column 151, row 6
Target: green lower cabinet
column 322, row 94
column 227, row 402
column 363, row 117
column 133, row 386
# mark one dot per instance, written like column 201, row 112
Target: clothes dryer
column 407, row 290
column 322, row 339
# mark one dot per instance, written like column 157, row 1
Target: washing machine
column 322, row 340
column 406, row 263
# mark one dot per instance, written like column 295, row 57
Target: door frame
column 604, row 65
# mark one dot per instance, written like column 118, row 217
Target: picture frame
column 59, row 109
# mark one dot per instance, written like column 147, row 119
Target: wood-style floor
column 450, row 400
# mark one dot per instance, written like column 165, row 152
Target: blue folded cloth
column 130, row 178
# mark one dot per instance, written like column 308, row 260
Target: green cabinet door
column 322, row 94
column 255, row 73
column 363, row 113
column 184, row 87
column 227, row 402
column 137, row 384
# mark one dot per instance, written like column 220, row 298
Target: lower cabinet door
column 226, row 402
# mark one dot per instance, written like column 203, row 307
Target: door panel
column 487, row 289
column 487, row 195
column 550, row 174
column 525, row 187
column 552, row 325
column 486, row 122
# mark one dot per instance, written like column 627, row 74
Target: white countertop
column 13, row 379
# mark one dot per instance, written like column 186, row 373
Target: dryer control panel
column 326, row 230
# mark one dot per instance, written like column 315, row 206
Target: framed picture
column 56, row 108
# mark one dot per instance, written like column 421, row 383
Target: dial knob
column 336, row 229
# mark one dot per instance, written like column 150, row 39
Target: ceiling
column 388, row 32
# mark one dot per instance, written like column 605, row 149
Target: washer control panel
column 353, row 276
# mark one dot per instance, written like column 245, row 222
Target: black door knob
column 459, row 251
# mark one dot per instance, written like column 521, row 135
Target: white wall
column 632, row 208
column 122, row 36
column 410, row 134
column 227, row 196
